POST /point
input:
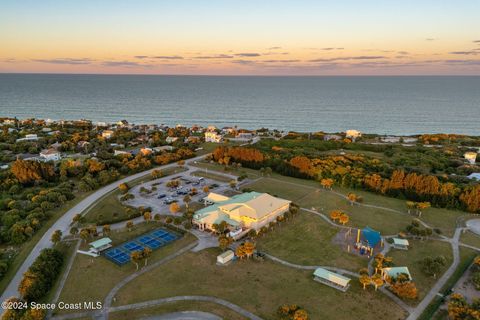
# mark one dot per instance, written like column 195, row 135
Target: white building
column 171, row 139
column 29, row 137
column 50, row 155
column 471, row 157
column 225, row 258
column 212, row 136
column 353, row 134
column 107, row 134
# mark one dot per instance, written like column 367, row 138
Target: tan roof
column 255, row 208
column 215, row 197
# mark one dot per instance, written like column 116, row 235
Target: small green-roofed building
column 331, row 279
column 100, row 244
column 400, row 243
column 394, row 272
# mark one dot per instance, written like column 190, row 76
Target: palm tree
column 343, row 219
column 410, row 205
column 136, row 257
column 157, row 217
column 187, row 200
column 249, row 248
column 206, row 189
column 74, row 231
column 84, row 234
column 240, row 252
column 146, row 253
column 147, row 216
column 106, row 229
column 56, row 237
column 335, row 214
column 365, row 280
column 129, row 225
column 377, row 281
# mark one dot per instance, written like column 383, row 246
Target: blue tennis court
column 154, row 240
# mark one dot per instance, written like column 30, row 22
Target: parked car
column 161, row 196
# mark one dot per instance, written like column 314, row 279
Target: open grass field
column 211, row 175
column 221, row 311
column 294, row 189
column 307, row 240
column 411, row 259
column 260, row 287
column 470, row 238
column 91, row 279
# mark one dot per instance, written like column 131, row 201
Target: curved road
column 63, row 224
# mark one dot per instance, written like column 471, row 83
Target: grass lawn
column 260, row 287
column 470, row 238
column 211, row 175
column 91, row 279
column 307, row 240
column 214, row 308
column 411, row 259
column 443, row 219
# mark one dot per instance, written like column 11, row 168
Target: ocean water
column 383, row 105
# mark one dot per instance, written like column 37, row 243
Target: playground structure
column 364, row 242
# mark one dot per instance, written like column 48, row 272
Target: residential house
column 50, row 155
column 471, row 157
column 212, row 136
column 107, row 134
column 171, row 139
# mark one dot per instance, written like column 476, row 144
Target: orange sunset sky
column 241, row 37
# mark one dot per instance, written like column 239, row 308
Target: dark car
column 161, row 196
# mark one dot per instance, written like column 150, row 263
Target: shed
column 331, row 279
column 225, row 257
column 100, row 244
column 400, row 243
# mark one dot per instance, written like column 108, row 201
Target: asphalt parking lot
column 158, row 196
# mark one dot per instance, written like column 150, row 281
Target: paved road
column 185, row 315
column 63, row 224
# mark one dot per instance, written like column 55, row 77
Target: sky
column 262, row 37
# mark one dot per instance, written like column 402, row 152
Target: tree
column 136, row 257
column 106, row 229
column 147, row 216
column 28, row 172
column 300, row 314
column 377, row 281
column 206, row 189
column 326, row 183
column 233, row 184
column 240, row 252
column 352, row 197
column 174, row 208
column 129, row 225
column 432, row 266
column 364, row 280
column 123, row 187
column 224, row 242
column 403, row 287
column 421, row 206
column 248, row 248
column 410, row 205
column 157, row 174
column 343, row 219
column 335, row 214
column 146, row 253
column 73, row 231
column 56, row 237
column 157, row 217
column 84, row 234
column 187, row 200
column 77, row 218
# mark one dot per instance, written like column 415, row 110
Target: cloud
column 168, row 57
column 471, row 52
column 281, row 61
column 73, row 61
column 248, row 54
column 274, row 48
column 430, row 39
column 140, row 57
column 403, row 52
column 476, row 41
column 244, row 62
column 216, row 56
column 124, row 63
column 348, row 58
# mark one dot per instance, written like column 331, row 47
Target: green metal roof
column 331, row 276
column 100, row 243
column 396, row 271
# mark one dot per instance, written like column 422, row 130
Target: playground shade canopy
column 371, row 236
column 394, row 272
column 400, row 242
column 101, row 244
column 331, row 278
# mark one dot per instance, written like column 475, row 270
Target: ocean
column 383, row 105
